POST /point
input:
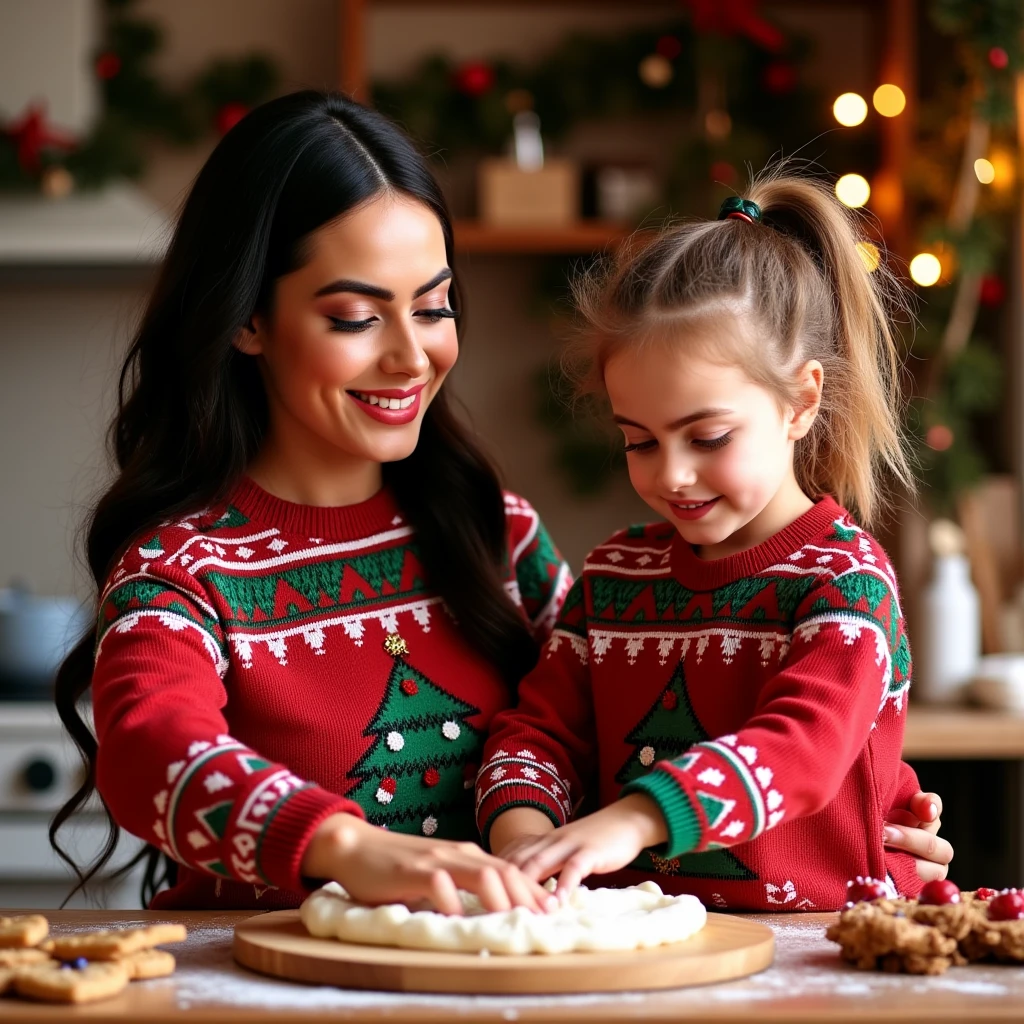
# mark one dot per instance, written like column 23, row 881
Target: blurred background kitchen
column 557, row 129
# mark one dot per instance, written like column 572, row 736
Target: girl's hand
column 914, row 831
column 517, row 827
column 377, row 866
column 604, row 841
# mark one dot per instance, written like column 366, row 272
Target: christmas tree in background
column 668, row 730
column 414, row 776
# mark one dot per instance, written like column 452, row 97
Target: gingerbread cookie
column 942, row 928
column 64, row 983
column 148, row 963
column 112, row 945
column 28, row 930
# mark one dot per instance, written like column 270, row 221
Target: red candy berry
column 409, row 687
column 669, row 701
column 985, row 893
column 431, row 777
column 865, row 889
column 1006, row 906
column 998, row 58
column 939, row 893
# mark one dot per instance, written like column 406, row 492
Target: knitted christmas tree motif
column 414, row 776
column 667, row 731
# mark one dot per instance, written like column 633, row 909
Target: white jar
column 948, row 646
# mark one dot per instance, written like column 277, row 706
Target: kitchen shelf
column 960, row 733
column 582, row 237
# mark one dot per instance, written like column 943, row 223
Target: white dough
column 603, row 920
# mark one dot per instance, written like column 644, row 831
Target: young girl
column 732, row 682
column 313, row 594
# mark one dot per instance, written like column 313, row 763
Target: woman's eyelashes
column 429, row 316
column 640, row 446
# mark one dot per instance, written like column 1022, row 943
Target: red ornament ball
column 998, row 58
column 431, row 777
column 474, row 78
column 229, row 115
column 1007, row 906
column 863, row 890
column 669, row 701
column 389, row 785
column 107, row 66
column 723, row 172
column 939, row 438
column 669, row 47
column 939, row 893
column 984, row 893
column 779, row 77
column 409, row 687
column 992, row 291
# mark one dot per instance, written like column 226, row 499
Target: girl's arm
column 540, row 751
column 172, row 774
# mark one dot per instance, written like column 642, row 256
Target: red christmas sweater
column 263, row 665
column 759, row 699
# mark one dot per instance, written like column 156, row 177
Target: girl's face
column 708, row 449
column 360, row 338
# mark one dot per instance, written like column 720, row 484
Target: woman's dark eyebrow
column 376, row 292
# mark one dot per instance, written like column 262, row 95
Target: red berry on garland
column 409, row 687
column 864, row 890
column 940, row 892
column 669, row 701
column 474, row 78
column 998, row 58
column 669, row 47
column 779, row 77
column 992, row 291
column 939, row 438
column 107, row 66
column 985, row 893
column 1007, row 906
column 229, row 115
column 431, row 777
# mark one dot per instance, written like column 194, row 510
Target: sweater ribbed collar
column 696, row 573
column 337, row 522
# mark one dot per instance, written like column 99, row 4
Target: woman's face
column 361, row 337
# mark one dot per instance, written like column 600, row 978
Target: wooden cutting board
column 278, row 944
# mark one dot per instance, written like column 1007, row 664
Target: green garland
column 136, row 107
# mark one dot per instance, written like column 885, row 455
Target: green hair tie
column 740, row 209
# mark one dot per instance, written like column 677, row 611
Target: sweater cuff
column 289, row 829
column 674, row 802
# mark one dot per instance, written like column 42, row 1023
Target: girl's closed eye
column 713, row 443
column 350, row 326
column 433, row 316
column 640, row 446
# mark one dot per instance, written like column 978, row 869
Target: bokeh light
column 853, row 190
column 925, row 269
column 889, row 100
column 850, row 109
column 984, row 170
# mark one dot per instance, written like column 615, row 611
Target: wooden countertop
column 963, row 733
column 807, row 983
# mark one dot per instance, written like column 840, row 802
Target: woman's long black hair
column 192, row 410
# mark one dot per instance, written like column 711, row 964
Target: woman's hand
column 377, row 866
column 604, row 841
column 914, row 831
column 517, row 827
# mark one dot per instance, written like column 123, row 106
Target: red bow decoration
column 736, row 17
column 31, row 136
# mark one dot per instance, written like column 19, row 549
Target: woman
column 310, row 581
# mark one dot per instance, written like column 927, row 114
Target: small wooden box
column 510, row 197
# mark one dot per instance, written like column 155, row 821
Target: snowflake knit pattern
column 758, row 699
column 263, row 665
